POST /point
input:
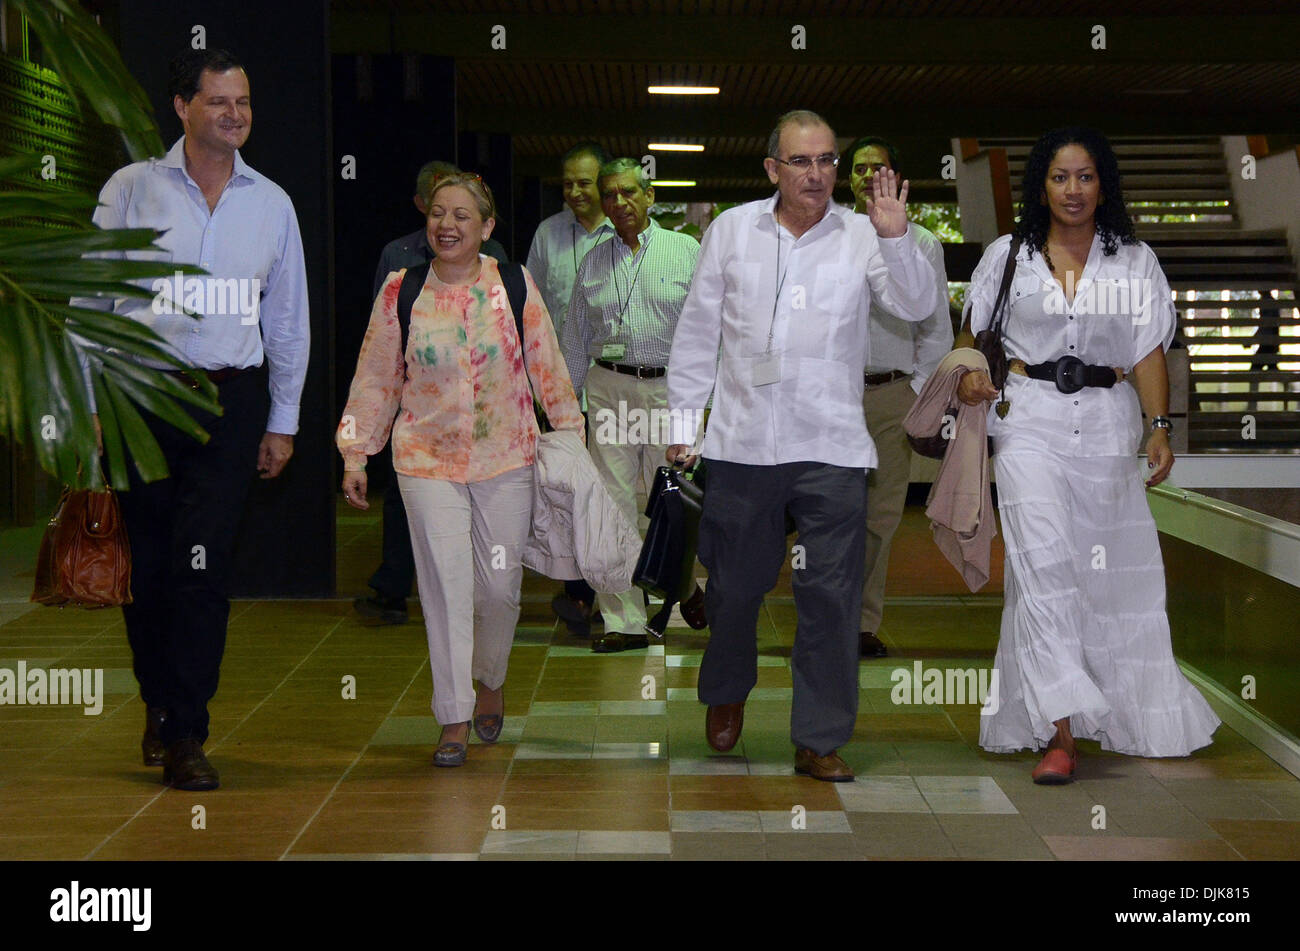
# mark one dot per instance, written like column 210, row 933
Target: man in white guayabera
column 238, row 226
column 783, row 290
column 622, row 313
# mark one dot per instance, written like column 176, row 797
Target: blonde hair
column 474, row 185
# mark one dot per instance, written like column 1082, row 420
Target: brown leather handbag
column 85, row 558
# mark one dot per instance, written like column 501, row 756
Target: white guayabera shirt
column 817, row 328
column 1122, row 310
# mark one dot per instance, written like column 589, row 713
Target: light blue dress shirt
column 254, row 302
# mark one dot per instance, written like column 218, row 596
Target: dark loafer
column 576, row 615
column 381, row 609
column 829, row 768
column 693, row 610
column 615, row 642
column 152, row 745
column 722, row 725
column 871, row 646
column 185, row 767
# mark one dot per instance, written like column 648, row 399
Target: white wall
column 1271, row 199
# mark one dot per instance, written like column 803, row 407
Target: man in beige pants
column 622, row 314
column 903, row 355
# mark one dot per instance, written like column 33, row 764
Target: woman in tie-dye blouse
column 464, row 442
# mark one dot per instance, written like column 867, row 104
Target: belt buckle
column 641, row 373
column 1069, row 376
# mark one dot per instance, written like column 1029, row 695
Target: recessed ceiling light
column 683, row 90
column 675, row 147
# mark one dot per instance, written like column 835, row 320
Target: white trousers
column 1084, row 630
column 627, row 448
column 467, row 540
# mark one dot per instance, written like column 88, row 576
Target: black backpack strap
column 1008, row 272
column 512, row 276
column 412, row 283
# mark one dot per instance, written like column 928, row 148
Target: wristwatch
column 1162, row 422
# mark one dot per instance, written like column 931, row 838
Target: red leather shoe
column 1056, row 767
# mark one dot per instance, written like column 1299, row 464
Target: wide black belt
column 1070, row 374
column 641, row 373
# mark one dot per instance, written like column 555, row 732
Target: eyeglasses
column 802, row 163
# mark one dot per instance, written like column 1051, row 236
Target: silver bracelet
column 1162, row 422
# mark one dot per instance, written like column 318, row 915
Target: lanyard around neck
column 643, row 249
column 780, row 277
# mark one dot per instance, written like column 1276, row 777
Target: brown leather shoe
column 185, row 767
column 722, row 725
column 830, row 767
column 152, row 745
column 871, row 646
column 693, row 610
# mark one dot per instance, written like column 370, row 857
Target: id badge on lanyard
column 767, row 369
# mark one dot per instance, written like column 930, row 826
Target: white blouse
column 1122, row 310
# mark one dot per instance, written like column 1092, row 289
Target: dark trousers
column 396, row 573
column 743, row 544
column 182, row 533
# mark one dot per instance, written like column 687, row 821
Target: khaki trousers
column 627, row 441
column 885, row 406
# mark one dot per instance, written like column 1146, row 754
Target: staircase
column 1235, row 290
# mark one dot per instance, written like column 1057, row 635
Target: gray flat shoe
column 450, row 754
column 488, row 726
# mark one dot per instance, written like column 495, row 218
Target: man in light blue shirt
column 240, row 227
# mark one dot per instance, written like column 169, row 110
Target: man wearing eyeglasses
column 903, row 355
column 775, row 330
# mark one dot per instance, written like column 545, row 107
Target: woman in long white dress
column 1084, row 650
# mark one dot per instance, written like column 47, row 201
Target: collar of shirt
column 833, row 217
column 605, row 226
column 175, row 158
column 642, row 241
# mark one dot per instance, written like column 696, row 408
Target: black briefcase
column 665, row 567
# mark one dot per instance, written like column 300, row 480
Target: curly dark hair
column 1113, row 222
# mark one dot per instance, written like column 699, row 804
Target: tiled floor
column 602, row 756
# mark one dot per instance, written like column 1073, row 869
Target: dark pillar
column 392, row 114
column 286, row 542
column 489, row 155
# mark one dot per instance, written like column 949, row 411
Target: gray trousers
column 743, row 543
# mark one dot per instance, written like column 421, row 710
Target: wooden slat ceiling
column 586, row 71
column 913, row 9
